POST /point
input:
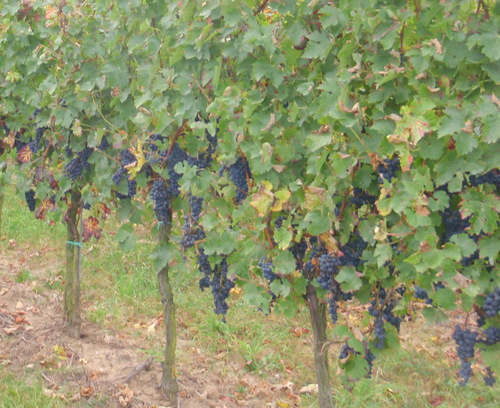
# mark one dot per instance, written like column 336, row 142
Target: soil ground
column 32, row 338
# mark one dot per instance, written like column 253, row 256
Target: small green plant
column 24, row 276
column 15, row 393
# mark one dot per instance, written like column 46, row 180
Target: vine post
column 317, row 312
column 72, row 285
column 3, row 166
column 168, row 384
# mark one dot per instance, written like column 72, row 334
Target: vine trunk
column 72, row 287
column 317, row 311
column 168, row 384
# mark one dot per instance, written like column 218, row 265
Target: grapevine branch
column 261, row 7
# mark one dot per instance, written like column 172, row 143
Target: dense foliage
column 349, row 147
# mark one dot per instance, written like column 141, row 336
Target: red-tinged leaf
column 436, row 401
column 24, row 155
column 103, row 210
column 300, row 331
column 91, row 229
column 45, row 206
column 44, row 174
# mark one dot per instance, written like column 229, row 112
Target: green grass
column 120, row 294
column 24, row 276
column 25, row 393
column 20, row 224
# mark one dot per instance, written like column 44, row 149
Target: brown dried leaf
column 421, row 210
column 309, row 389
column 24, row 155
column 462, row 280
column 272, row 121
column 11, row 329
column 468, row 127
column 495, row 100
column 437, row 45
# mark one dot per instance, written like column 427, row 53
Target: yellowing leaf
column 263, row 199
column 135, row 167
column 282, row 197
column 314, row 197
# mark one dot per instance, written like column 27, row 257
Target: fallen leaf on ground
column 309, row 389
column 11, row 329
column 436, row 401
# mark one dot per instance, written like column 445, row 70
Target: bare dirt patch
column 105, row 367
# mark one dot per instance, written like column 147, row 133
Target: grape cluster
column 154, row 155
column 74, row 168
column 489, row 379
column 346, row 351
column 329, row 267
column 361, row 197
column 30, row 199
column 384, row 310
column 491, row 304
column 104, row 145
column 126, row 158
column 422, row 294
column 491, row 336
column 35, row 143
column 465, row 340
column 205, row 268
column 452, row 223
column 238, row 173
column 324, row 266
column 217, row 279
column 267, row 269
column 221, row 287
column 161, row 195
column 177, row 155
column 491, row 177
column 379, row 332
column 387, row 170
column 370, row 358
column 191, row 231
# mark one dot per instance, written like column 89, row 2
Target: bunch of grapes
column 452, row 223
column 491, row 336
column 387, row 170
column 346, row 351
column 491, row 304
column 221, row 287
column 489, row 379
column 361, row 197
column 104, row 145
column 385, row 309
column 328, row 267
column 465, row 340
column 177, row 155
column 205, row 268
column 422, row 294
column 191, row 231
column 30, row 199
column 126, row 158
column 379, row 332
column 74, row 168
column 370, row 358
column 161, row 195
column 491, row 177
column 35, row 143
column 267, row 269
column 238, row 173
